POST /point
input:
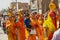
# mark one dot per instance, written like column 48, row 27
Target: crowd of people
column 33, row 26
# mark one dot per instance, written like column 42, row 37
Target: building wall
column 20, row 5
column 33, row 5
column 23, row 6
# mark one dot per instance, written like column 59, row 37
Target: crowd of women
column 33, row 26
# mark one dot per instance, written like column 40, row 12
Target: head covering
column 19, row 12
column 52, row 6
column 10, row 12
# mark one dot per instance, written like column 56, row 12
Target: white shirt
column 33, row 31
column 56, row 35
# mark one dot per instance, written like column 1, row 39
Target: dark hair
column 27, row 15
column 2, row 15
column 59, row 23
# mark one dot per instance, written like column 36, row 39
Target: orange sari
column 32, row 36
column 10, row 28
column 20, row 29
column 39, row 30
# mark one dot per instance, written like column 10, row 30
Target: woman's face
column 9, row 14
column 52, row 6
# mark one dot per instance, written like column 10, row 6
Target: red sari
column 54, row 21
column 13, row 29
column 20, row 29
column 54, row 18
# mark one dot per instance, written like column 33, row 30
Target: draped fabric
column 10, row 29
column 20, row 29
column 49, row 26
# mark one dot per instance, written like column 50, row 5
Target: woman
column 33, row 20
column 10, row 26
column 20, row 27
